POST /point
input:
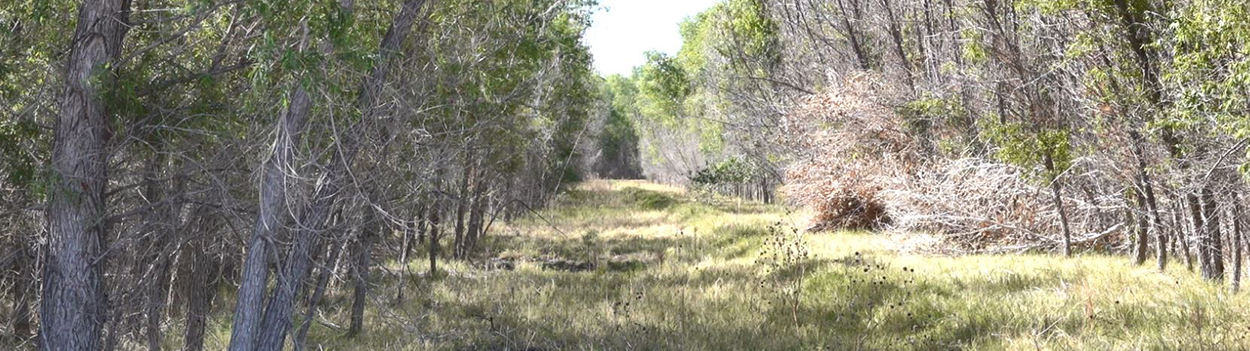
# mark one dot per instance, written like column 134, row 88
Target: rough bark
column 249, row 309
column 203, row 290
column 72, row 303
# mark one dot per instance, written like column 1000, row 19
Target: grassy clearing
column 676, row 274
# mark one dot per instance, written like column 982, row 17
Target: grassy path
column 664, row 271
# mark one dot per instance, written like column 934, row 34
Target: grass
column 678, row 274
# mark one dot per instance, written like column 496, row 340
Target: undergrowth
column 727, row 275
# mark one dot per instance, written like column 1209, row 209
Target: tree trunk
column 158, row 293
column 1236, row 218
column 435, row 219
column 1198, row 228
column 1057, row 192
column 165, row 221
column 1151, row 203
column 327, row 269
column 857, row 46
column 407, row 236
column 1063, row 218
column 361, row 260
column 1174, row 238
column 205, row 279
column 462, row 208
column 1142, row 245
column 20, row 290
column 1161, row 252
column 248, row 313
column 477, row 213
column 249, row 309
column 1182, row 235
column 1139, row 38
column 1210, row 253
column 897, row 35
column 281, row 303
column 926, row 47
column 423, row 221
column 277, row 315
column 72, row 304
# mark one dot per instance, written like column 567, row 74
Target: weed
column 785, row 257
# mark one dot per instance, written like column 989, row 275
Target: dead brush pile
column 859, row 168
column 850, row 148
column 975, row 205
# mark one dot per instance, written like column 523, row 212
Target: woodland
column 262, row 175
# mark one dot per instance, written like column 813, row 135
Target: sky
column 622, row 31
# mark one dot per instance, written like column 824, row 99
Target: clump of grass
column 648, row 199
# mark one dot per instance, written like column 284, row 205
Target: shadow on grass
column 691, row 291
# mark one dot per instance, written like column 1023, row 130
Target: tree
column 72, row 302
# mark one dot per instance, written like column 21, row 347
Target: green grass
column 677, row 274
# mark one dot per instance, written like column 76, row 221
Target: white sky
column 622, row 31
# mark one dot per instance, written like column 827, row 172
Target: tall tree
column 255, row 275
column 277, row 318
column 72, row 302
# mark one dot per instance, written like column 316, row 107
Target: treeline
column 167, row 162
column 1004, row 125
column 707, row 116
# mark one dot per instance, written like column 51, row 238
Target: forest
column 265, row 175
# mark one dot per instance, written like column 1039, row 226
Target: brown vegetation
column 862, row 168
